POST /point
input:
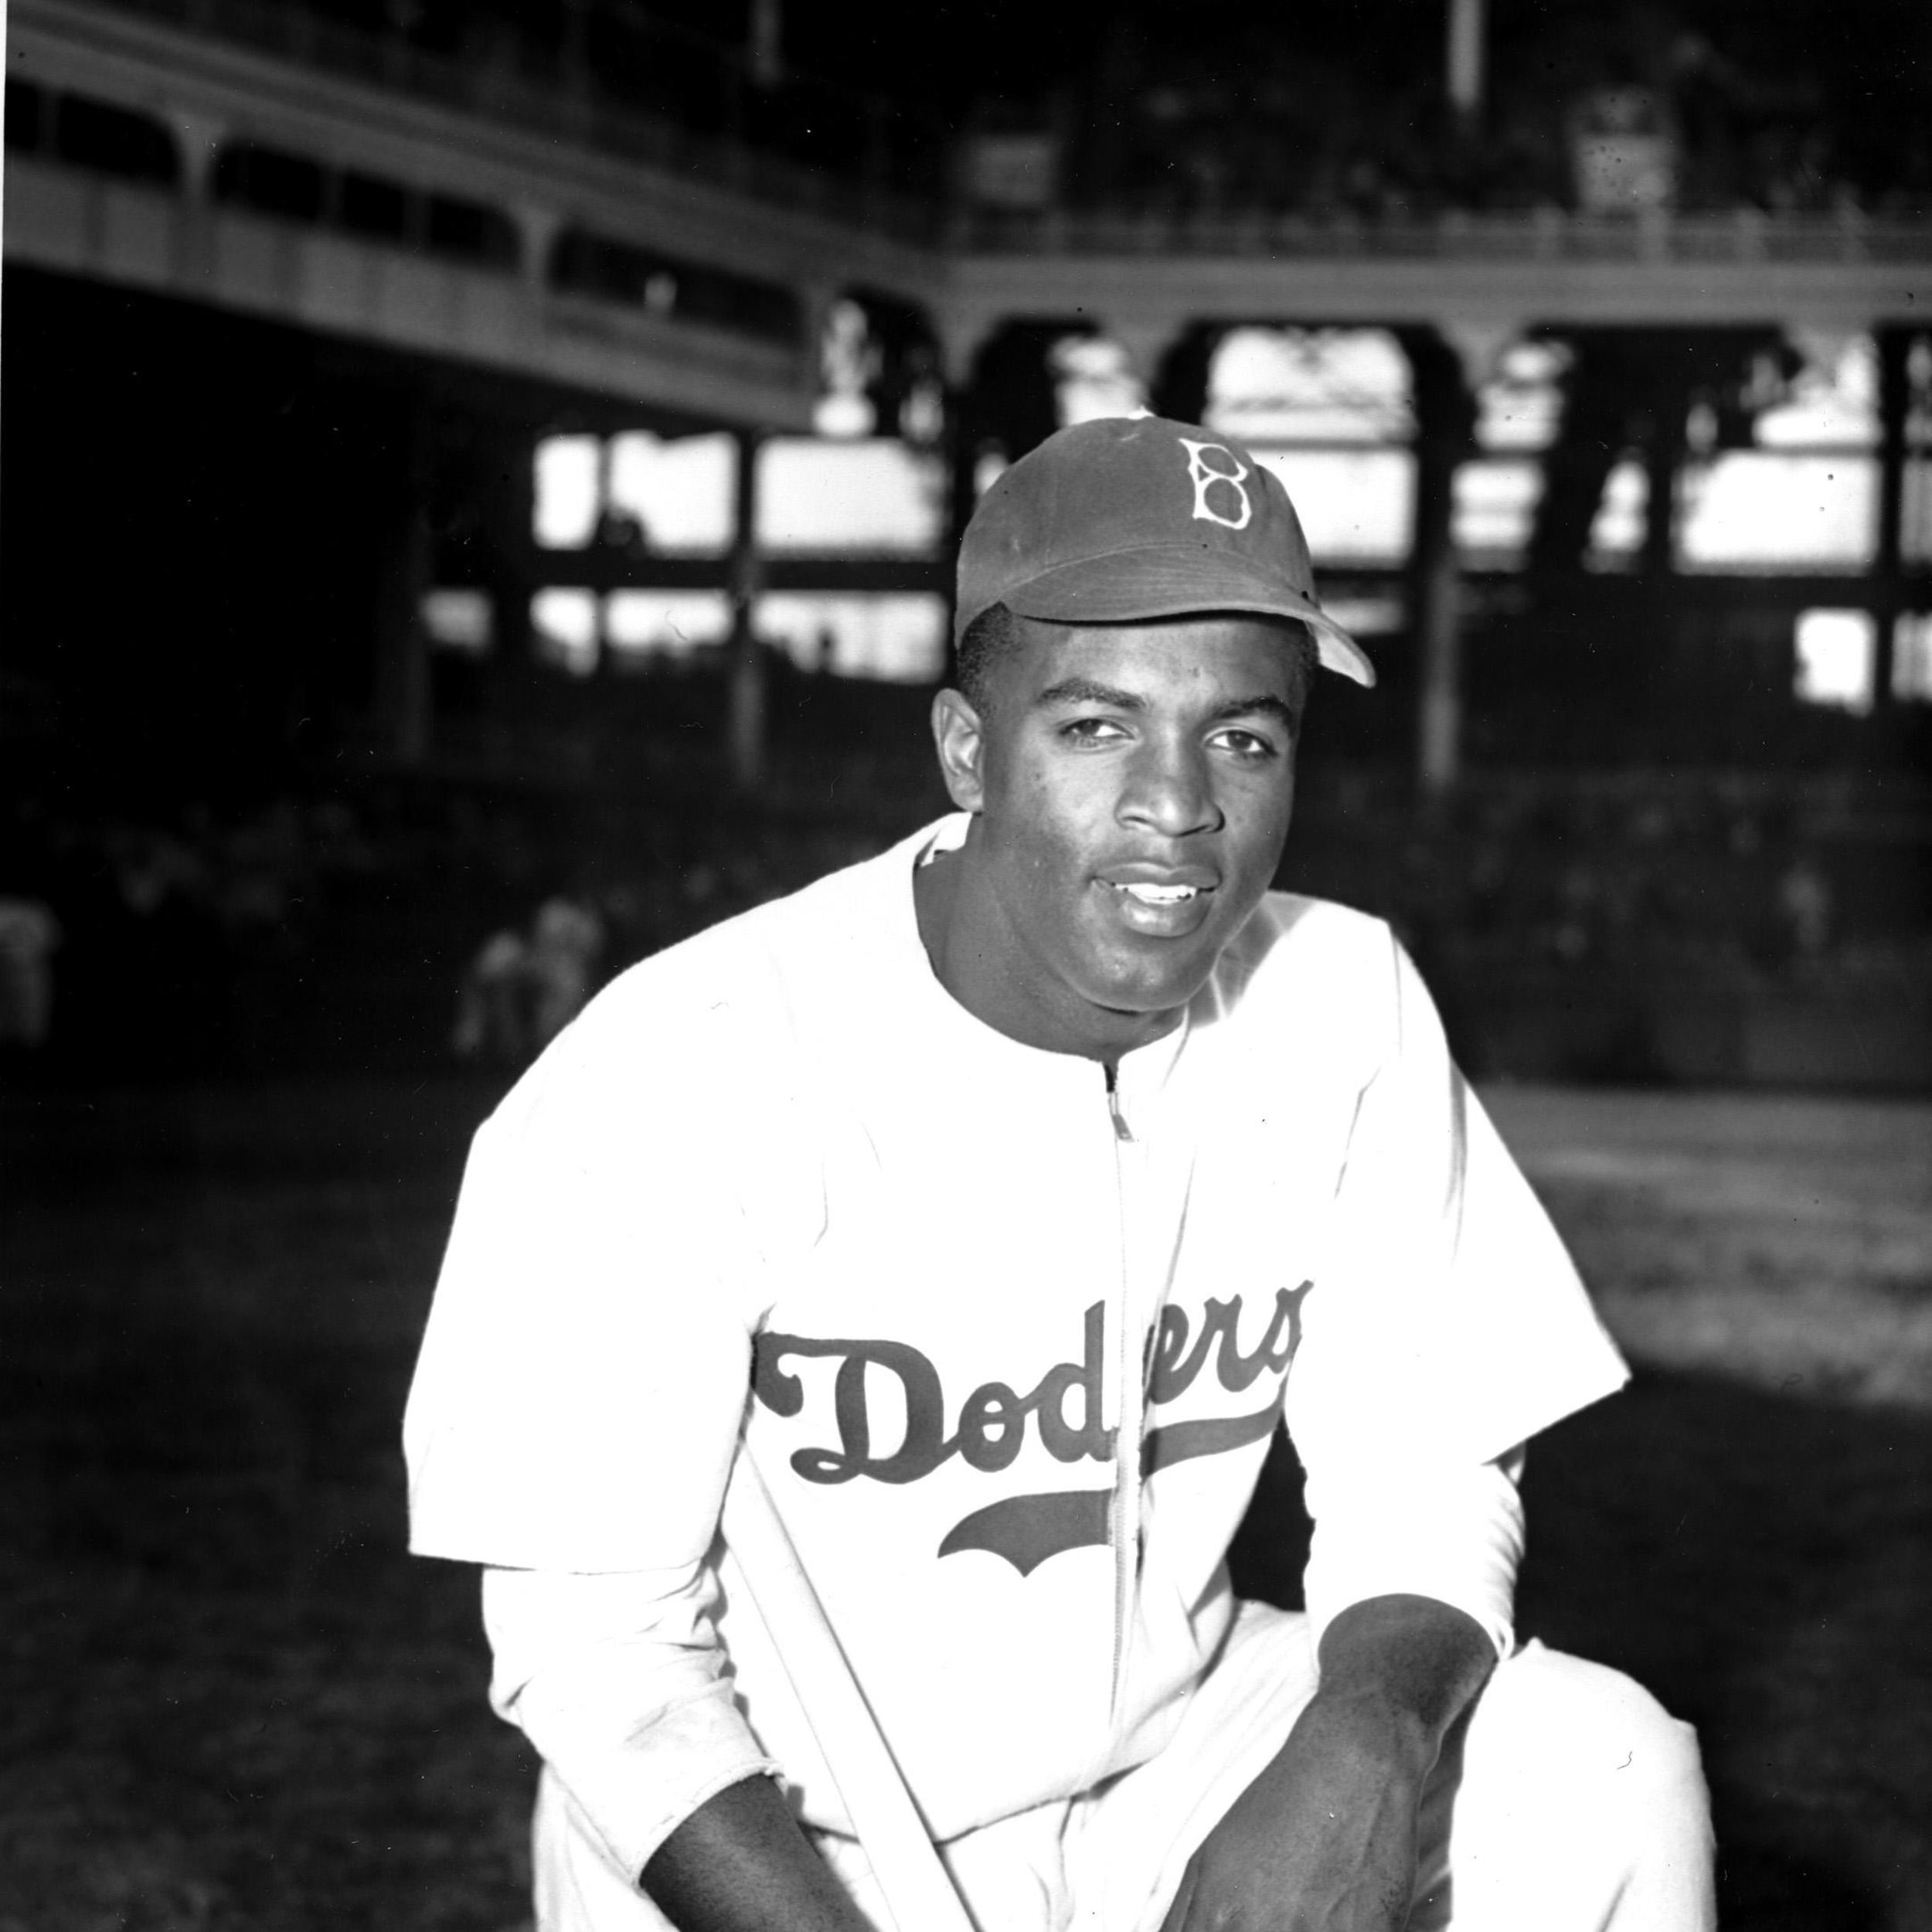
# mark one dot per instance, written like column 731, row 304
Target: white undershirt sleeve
column 619, row 1683
column 1454, row 1534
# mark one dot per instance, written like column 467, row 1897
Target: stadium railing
column 882, row 165
column 1543, row 234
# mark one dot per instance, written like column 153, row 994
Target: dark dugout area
column 192, row 584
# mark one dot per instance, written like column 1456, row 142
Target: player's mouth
column 1168, row 908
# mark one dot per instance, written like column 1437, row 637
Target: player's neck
column 956, row 932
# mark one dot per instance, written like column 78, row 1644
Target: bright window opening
column 1356, row 506
column 1915, row 518
column 639, row 625
column 1834, row 399
column 568, row 492
column 1494, row 510
column 1519, row 406
column 1618, row 533
column 1094, row 377
column 875, row 495
column 1911, row 658
column 1837, row 651
column 899, row 638
column 1918, row 392
column 1805, row 497
column 459, row 620
column 677, row 489
column 1310, row 386
column 1330, row 412
column 1752, row 510
column 565, row 622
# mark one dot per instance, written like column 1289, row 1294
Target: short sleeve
column 1447, row 1324
column 584, row 1373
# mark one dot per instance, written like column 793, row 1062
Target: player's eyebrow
column 1267, row 706
column 1091, row 690
column 1088, row 691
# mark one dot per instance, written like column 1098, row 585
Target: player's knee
column 1665, row 1767
column 1611, row 1734
column 1648, row 1770
column 1665, row 1848
column 1578, row 1769
column 1671, row 1804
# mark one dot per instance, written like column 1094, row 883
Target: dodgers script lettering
column 992, row 1421
column 1064, row 1405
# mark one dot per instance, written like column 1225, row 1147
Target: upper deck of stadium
column 631, row 215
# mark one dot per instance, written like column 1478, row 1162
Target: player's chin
column 1156, row 975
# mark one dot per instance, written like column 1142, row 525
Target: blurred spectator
column 493, row 1021
column 29, row 937
column 154, row 870
column 566, row 945
column 1804, row 905
column 168, row 952
column 520, row 991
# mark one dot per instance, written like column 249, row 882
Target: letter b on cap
column 1205, row 476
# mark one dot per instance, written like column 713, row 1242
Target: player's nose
column 1168, row 789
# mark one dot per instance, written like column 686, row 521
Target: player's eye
column 1245, row 744
column 1091, row 731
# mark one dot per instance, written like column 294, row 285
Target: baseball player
column 993, row 1200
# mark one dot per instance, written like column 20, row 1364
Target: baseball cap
column 1134, row 517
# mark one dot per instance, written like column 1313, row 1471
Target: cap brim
column 1149, row 583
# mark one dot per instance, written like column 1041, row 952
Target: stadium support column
column 1463, row 58
column 1664, row 450
column 508, row 486
column 1895, row 350
column 1183, row 380
column 199, row 137
column 403, row 696
column 964, row 432
column 746, row 722
column 962, row 446
column 1444, row 420
column 1149, row 343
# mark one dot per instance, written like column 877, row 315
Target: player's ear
column 960, row 739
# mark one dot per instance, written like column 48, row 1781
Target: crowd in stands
column 1329, row 116
column 406, row 926
column 169, row 941
column 439, row 926
column 1262, row 125
column 1714, row 879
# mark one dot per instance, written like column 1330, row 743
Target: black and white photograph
column 966, row 968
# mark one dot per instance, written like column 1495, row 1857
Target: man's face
column 1132, row 785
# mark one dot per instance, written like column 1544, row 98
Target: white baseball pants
column 1574, row 1802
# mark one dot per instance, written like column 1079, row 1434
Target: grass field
column 1749, row 1529
column 228, row 1701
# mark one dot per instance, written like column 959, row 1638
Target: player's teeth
column 1160, row 894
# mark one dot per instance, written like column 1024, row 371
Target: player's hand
column 1324, row 1837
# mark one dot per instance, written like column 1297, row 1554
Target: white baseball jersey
column 1008, row 1339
